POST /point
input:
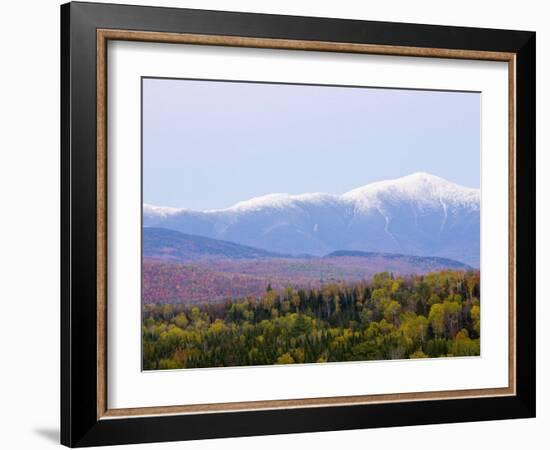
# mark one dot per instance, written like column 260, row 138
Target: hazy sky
column 209, row 144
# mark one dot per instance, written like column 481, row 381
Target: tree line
column 387, row 317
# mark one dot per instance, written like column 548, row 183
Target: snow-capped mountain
column 420, row 214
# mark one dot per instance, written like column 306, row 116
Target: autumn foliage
column 387, row 317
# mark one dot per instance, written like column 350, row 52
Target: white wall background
column 29, row 230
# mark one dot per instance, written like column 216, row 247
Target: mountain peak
column 424, row 177
column 278, row 201
column 419, row 187
column 416, row 178
column 159, row 211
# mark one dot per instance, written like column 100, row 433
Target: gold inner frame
column 104, row 35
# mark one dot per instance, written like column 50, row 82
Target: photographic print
column 292, row 223
column 297, row 200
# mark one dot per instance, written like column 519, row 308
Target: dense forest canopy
column 387, row 317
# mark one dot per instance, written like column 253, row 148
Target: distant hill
column 172, row 245
column 420, row 214
column 408, row 259
column 178, row 267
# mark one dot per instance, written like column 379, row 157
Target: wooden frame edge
column 101, row 224
column 103, row 35
column 289, row 44
column 303, row 403
column 512, row 199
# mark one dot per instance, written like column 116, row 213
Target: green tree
column 285, row 358
column 475, row 316
column 391, row 311
column 436, row 319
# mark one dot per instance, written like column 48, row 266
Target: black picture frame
column 80, row 425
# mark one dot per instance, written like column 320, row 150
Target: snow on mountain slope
column 420, row 214
column 422, row 188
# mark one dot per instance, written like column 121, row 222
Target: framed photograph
column 277, row 224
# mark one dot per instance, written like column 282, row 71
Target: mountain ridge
column 408, row 183
column 171, row 245
column 419, row 214
column 174, row 245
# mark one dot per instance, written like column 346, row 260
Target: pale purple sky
column 210, row 144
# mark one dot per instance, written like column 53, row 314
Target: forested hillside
column 388, row 317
